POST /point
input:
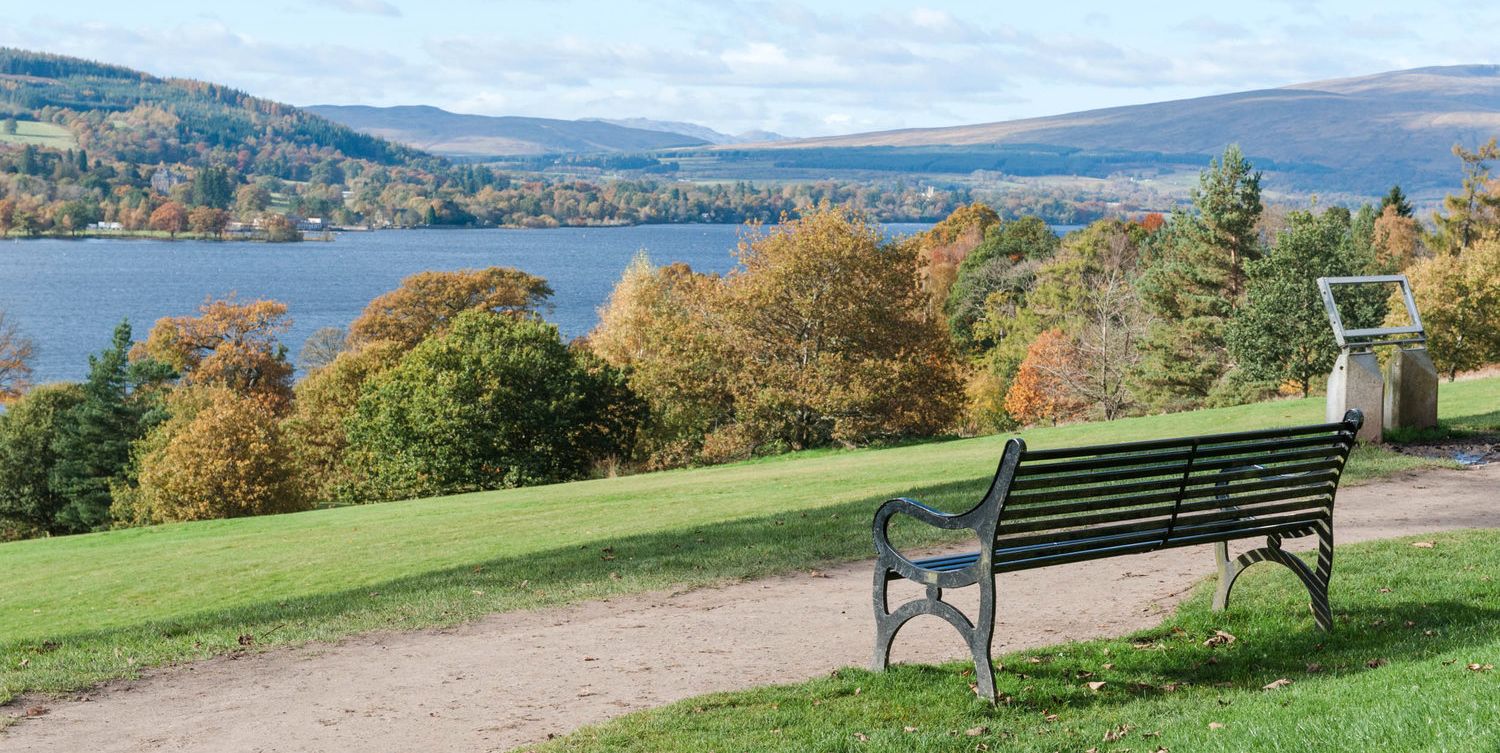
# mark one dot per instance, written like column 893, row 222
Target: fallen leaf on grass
column 1277, row 684
column 976, row 731
column 862, row 737
column 1219, row 638
column 1481, row 667
column 1117, row 733
column 247, row 639
column 1377, row 663
column 1314, row 668
column 1107, row 666
column 1422, row 544
column 1096, row 685
column 1215, row 725
column 1385, row 590
column 908, row 729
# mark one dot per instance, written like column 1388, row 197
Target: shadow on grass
column 690, row 557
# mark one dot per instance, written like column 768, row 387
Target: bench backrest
column 1088, row 502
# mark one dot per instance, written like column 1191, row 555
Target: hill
column 1357, row 135
column 695, row 130
column 459, row 135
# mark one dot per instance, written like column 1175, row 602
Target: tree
column 229, row 344
column 7, row 216
column 1194, row 281
column 495, row 401
column 831, row 338
column 1471, row 214
column 1459, row 300
column 1396, row 239
column 1396, row 200
column 945, row 245
column 220, row 455
column 78, row 214
column 9, row 126
column 28, row 429
column 279, row 229
column 425, row 303
column 16, row 352
column 321, row 348
column 316, row 431
column 93, row 449
column 1037, row 394
column 251, row 200
column 659, row 327
column 1005, row 262
column 212, row 187
column 208, row 221
column 1281, row 333
column 170, row 218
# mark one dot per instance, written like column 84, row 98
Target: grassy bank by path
column 78, row 610
column 1410, row 666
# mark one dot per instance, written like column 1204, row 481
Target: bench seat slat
column 1256, row 448
column 1157, row 444
column 1308, row 496
column 1055, row 535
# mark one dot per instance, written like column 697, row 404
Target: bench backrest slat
column 1145, row 495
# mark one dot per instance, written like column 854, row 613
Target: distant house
column 106, row 226
column 308, row 223
column 163, row 180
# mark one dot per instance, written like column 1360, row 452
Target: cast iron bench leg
column 1316, row 581
column 979, row 637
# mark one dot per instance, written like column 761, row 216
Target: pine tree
column 1471, row 214
column 1398, row 200
column 93, row 448
column 1194, row 281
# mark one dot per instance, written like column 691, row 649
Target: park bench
column 1049, row 507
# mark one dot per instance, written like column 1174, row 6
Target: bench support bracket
column 1316, row 580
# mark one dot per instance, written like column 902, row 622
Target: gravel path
column 513, row 679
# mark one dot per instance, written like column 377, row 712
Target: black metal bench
column 1048, row 507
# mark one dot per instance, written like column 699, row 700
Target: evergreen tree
column 93, row 449
column 1472, row 213
column 1395, row 198
column 1194, row 281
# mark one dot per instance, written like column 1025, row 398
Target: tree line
column 826, row 333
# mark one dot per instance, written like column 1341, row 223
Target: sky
column 798, row 68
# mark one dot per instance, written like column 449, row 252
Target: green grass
column 40, row 134
column 82, row 609
column 1394, row 675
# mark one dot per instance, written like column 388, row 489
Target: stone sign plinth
column 1356, row 384
column 1411, row 384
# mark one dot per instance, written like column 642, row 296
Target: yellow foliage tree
column 1038, row 393
column 316, row 432
column 425, row 302
column 943, row 248
column 220, row 455
column 229, row 344
column 1458, row 297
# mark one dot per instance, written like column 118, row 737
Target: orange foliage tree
column 229, row 344
column 220, row 455
column 943, row 248
column 425, row 302
column 15, row 357
column 1038, row 393
column 171, row 218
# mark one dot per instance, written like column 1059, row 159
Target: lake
column 68, row 295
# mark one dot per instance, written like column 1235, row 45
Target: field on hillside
column 81, row 609
column 40, row 134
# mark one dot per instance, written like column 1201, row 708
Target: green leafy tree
column 496, row 401
column 1194, row 282
column 1005, row 262
column 1281, row 334
column 27, row 456
column 212, row 187
column 93, row 449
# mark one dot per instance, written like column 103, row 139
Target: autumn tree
column 1397, row 240
column 316, row 431
column 1472, row 213
column 170, row 218
column 1037, row 394
column 661, row 327
column 229, row 344
column 7, row 216
column 279, row 229
column 16, row 352
column 494, row 401
column 208, row 221
column 1194, row 281
column 220, row 455
column 29, row 428
column 832, row 339
column 943, row 247
column 426, row 302
column 1004, row 263
column 121, row 402
column 1459, row 300
column 1281, row 333
column 251, row 200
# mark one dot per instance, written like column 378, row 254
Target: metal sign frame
column 1370, row 337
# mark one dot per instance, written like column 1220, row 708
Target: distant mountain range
column 1353, row 134
column 477, row 136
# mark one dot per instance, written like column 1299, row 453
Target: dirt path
column 512, row 679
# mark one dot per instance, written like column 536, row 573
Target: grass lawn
column 40, row 134
column 1410, row 666
column 81, row 609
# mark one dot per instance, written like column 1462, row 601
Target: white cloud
column 365, row 7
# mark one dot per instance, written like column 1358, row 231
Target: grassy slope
column 40, row 134
column 86, row 608
column 1420, row 616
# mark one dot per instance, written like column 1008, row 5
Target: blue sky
column 799, row 68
